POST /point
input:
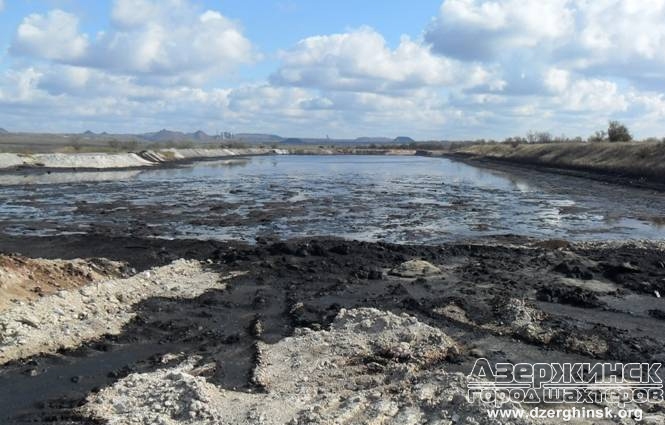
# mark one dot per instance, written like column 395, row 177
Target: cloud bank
column 479, row 69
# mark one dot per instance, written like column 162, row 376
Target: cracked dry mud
column 317, row 330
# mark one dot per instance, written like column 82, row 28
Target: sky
column 431, row 70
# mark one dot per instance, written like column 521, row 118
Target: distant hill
column 403, row 140
column 164, row 135
column 257, row 138
column 201, row 136
column 293, row 141
column 171, row 136
column 374, row 140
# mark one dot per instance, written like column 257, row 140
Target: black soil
column 304, row 283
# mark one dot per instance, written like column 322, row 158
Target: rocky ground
column 315, row 331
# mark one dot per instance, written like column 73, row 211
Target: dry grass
column 635, row 159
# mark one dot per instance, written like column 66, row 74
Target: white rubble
column 124, row 160
column 193, row 153
column 8, row 160
column 68, row 318
column 87, row 160
column 371, row 367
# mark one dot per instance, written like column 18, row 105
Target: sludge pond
column 373, row 198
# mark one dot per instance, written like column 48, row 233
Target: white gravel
column 215, row 153
column 123, row 160
column 68, row 318
column 371, row 367
column 8, row 160
column 90, row 160
column 74, row 160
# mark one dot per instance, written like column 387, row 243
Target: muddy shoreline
column 507, row 299
column 516, row 165
column 489, row 162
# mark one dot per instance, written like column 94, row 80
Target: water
column 396, row 199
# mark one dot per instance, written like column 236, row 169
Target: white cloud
column 481, row 69
column 623, row 39
column 19, row 86
column 2, row 5
column 170, row 39
column 593, row 95
column 361, row 61
column 128, row 14
column 79, row 99
column 483, row 30
column 623, row 30
column 357, row 80
column 557, row 80
column 52, row 36
column 597, row 59
column 653, row 103
column 599, row 37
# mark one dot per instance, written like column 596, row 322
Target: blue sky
column 271, row 25
column 429, row 69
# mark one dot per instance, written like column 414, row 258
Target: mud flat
column 316, row 330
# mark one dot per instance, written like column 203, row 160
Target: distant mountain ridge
column 266, row 138
column 170, row 136
column 375, row 140
column 160, row 136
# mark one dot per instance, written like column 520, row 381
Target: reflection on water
column 399, row 199
column 59, row 177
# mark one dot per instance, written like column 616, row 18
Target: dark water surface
column 396, row 199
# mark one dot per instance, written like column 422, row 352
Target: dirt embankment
column 106, row 161
column 641, row 164
column 27, row 279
